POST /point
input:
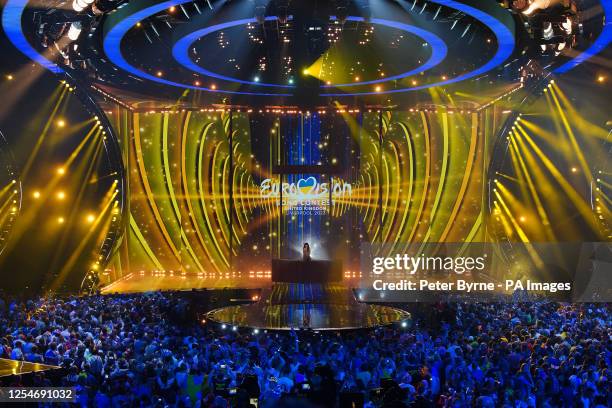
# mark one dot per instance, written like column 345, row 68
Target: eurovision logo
column 305, row 189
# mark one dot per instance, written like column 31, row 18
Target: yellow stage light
column 138, row 24
column 60, row 220
column 378, row 88
column 60, row 195
column 522, row 219
column 9, row 77
column 574, row 169
column 61, row 171
column 159, row 73
column 601, row 78
column 36, row 194
column 172, row 9
column 305, row 71
column 90, row 218
column 213, row 87
column 61, row 123
column 356, row 79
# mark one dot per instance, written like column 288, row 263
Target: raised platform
column 307, row 306
column 314, row 271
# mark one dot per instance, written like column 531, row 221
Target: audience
column 135, row 350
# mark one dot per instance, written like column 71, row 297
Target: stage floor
column 14, row 367
column 307, row 306
column 152, row 281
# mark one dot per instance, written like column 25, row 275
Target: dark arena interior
column 306, row 203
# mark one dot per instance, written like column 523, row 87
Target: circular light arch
column 180, row 50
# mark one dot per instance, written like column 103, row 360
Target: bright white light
column 74, row 31
column 567, row 25
column 78, row 6
column 548, row 31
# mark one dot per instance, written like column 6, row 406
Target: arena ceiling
column 185, row 53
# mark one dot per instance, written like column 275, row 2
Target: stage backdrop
column 206, row 186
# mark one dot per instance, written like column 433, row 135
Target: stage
column 312, row 306
column 15, row 367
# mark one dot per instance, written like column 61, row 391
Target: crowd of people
column 134, row 350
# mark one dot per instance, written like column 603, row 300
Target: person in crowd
column 128, row 350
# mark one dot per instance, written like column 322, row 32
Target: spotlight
column 90, row 218
column 234, row 328
column 256, row 331
column 61, row 171
column 80, row 5
column 213, row 87
column 223, row 326
column 61, row 195
column 9, row 77
column 36, row 194
column 404, row 324
column 159, row 73
column 172, row 9
column 290, row 81
column 61, row 123
column 256, row 79
column 378, row 88
column 75, row 30
column 601, row 78
column 305, row 71
column 60, row 220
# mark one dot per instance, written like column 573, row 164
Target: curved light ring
column 602, row 41
column 180, row 51
column 112, row 49
column 11, row 22
column 505, row 47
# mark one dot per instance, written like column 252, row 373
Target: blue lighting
column 11, row 22
column 13, row 11
column 180, row 51
column 112, row 48
column 505, row 41
column 604, row 39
